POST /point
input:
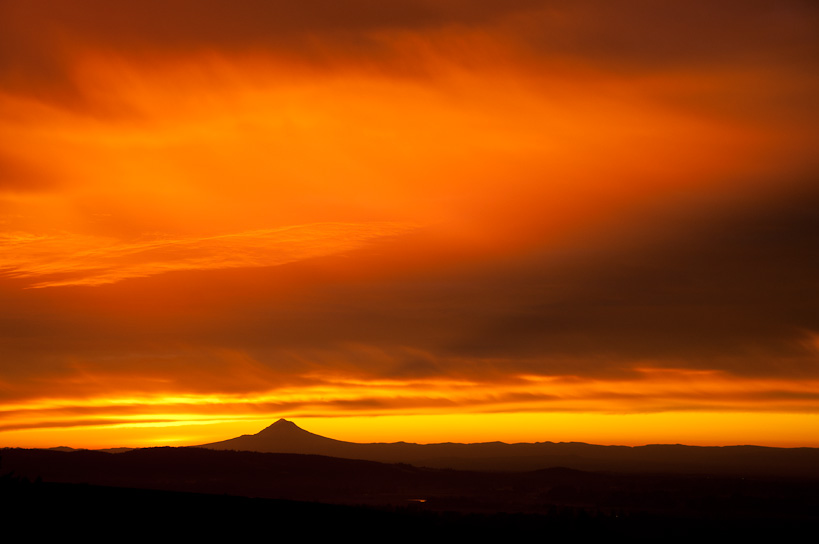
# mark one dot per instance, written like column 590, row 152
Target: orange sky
column 424, row 221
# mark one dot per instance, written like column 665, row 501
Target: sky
column 420, row 220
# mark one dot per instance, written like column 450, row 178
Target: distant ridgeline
column 286, row 437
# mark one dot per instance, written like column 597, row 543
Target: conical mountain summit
column 281, row 427
column 284, row 427
column 283, row 436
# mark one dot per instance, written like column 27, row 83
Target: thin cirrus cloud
column 51, row 261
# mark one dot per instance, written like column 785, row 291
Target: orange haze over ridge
column 422, row 221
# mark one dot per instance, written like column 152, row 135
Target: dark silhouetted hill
column 286, row 437
column 86, row 487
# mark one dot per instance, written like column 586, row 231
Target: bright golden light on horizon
column 690, row 428
column 604, row 412
column 416, row 221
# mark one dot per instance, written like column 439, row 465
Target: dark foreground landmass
column 192, row 492
column 53, row 510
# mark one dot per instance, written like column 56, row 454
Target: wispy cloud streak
column 68, row 259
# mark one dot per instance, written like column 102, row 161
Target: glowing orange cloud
column 77, row 260
column 509, row 208
column 667, row 394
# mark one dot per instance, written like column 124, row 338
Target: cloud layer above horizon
column 220, row 210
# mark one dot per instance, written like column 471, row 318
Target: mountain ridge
column 284, row 436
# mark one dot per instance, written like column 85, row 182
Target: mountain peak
column 281, row 437
column 282, row 425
